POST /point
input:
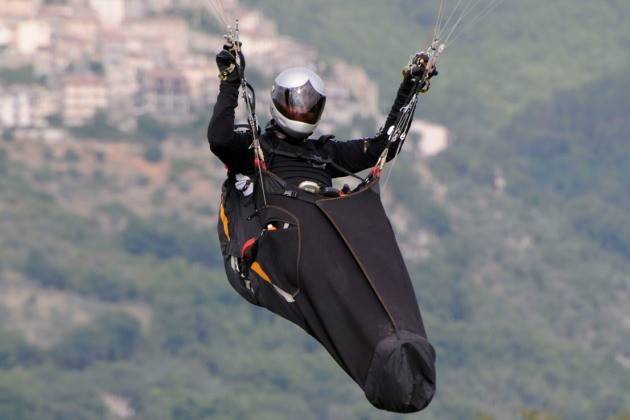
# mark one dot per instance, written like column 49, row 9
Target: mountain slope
column 523, row 51
column 516, row 239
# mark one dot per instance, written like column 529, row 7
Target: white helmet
column 298, row 99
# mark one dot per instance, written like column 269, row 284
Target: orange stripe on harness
column 225, row 221
column 256, row 268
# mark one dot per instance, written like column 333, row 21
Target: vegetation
column 98, row 127
column 169, row 240
column 110, row 338
column 153, row 153
column 523, row 289
column 18, row 76
column 520, row 53
column 150, row 129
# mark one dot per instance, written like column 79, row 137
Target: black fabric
column 296, row 163
column 307, row 161
column 401, row 377
column 336, row 271
column 280, row 249
column 229, row 145
column 350, row 288
column 228, row 67
column 241, row 227
column 361, row 221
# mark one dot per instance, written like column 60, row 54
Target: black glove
column 417, row 67
column 229, row 70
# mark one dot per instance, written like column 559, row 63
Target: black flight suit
column 361, row 307
column 233, row 147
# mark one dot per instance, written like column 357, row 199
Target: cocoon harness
column 332, row 266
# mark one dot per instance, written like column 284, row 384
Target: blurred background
column 511, row 202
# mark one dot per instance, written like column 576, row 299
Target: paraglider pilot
column 324, row 259
column 298, row 99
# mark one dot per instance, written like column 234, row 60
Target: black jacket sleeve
column 357, row 155
column 231, row 146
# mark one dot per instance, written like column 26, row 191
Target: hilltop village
column 63, row 63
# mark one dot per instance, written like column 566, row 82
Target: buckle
column 318, row 162
column 310, row 186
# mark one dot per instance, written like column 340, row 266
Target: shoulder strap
column 324, row 139
column 296, row 152
column 315, row 159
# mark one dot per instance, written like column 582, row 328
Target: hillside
column 516, row 237
column 524, row 51
column 532, row 279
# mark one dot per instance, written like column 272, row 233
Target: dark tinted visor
column 303, row 104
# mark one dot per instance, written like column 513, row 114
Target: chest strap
column 317, row 161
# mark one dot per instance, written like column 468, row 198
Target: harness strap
column 316, row 160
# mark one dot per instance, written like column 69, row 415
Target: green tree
column 15, row 351
column 528, row 414
column 153, row 153
column 3, row 162
column 13, row 404
column 18, row 76
column 40, row 268
column 175, row 239
column 151, row 129
column 106, row 285
column 109, row 338
column 98, row 127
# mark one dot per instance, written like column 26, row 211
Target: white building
column 111, row 13
column 15, row 110
column 26, row 106
column 32, row 35
column 6, row 36
column 83, row 96
column 165, row 94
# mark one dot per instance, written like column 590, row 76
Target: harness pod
column 314, row 260
column 333, row 267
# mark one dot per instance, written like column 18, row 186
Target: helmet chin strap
column 277, row 130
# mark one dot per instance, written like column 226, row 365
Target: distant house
column 120, row 70
column 165, row 94
column 111, row 13
column 170, row 35
column 74, row 34
column 25, row 106
column 113, row 47
column 32, row 35
column 136, row 9
column 6, row 36
column 83, row 96
column 56, row 15
column 83, row 25
column 202, row 80
column 17, row 9
column 16, row 110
